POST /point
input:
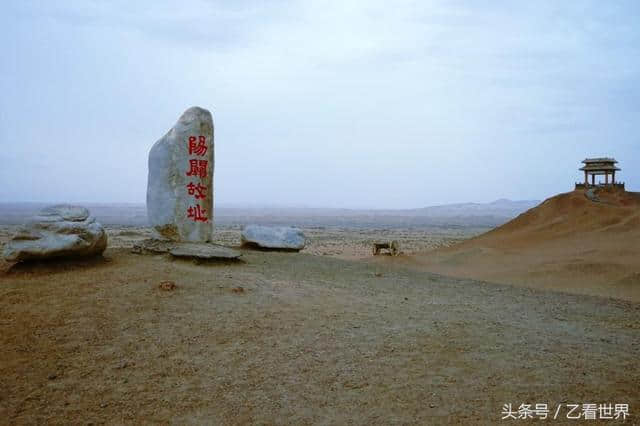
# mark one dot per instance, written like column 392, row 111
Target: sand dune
column 567, row 243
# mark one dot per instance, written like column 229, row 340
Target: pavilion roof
column 599, row 167
column 599, row 160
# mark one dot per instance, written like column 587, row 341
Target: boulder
column 57, row 231
column 273, row 237
column 180, row 184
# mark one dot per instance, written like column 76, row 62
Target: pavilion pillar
column 593, row 180
column 586, row 178
column 606, row 178
column 613, row 178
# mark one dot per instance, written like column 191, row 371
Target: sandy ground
column 568, row 243
column 306, row 338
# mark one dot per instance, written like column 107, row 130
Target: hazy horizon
column 321, row 104
column 271, row 206
column 466, row 215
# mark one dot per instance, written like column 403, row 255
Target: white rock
column 273, row 237
column 180, row 186
column 57, row 231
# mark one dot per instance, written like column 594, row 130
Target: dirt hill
column 575, row 242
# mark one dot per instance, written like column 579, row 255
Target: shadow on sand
column 56, row 265
column 256, row 247
column 210, row 262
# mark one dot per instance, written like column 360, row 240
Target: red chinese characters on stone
column 198, row 191
column 197, row 213
column 198, row 168
column 197, row 146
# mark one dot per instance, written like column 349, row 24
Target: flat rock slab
column 204, row 251
column 153, row 246
column 192, row 250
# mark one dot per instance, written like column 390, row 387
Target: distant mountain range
column 500, row 208
column 462, row 214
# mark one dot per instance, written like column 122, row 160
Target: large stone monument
column 180, row 186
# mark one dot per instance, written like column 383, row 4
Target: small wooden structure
column 392, row 246
column 599, row 166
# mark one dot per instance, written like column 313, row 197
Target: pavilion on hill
column 600, row 167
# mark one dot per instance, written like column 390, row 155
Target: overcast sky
column 320, row 103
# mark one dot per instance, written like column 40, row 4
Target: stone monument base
column 201, row 251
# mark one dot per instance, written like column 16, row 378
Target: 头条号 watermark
column 587, row 411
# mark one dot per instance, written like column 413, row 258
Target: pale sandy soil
column 306, row 338
column 331, row 335
column 298, row 339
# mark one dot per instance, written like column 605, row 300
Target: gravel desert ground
column 331, row 335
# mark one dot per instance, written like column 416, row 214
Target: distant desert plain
column 487, row 304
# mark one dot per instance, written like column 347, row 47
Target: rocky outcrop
column 57, row 231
